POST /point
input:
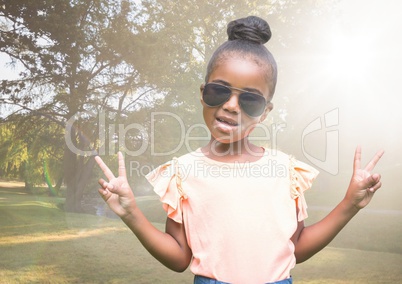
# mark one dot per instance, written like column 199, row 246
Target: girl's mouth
column 227, row 121
column 226, row 125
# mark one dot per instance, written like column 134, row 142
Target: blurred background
column 80, row 78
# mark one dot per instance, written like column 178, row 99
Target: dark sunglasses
column 215, row 95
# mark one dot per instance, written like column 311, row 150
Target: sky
column 6, row 73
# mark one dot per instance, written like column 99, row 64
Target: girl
column 233, row 219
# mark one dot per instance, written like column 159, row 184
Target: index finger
column 358, row 157
column 370, row 166
column 122, row 165
column 105, row 169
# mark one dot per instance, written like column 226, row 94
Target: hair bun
column 252, row 29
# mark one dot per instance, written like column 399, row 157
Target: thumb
column 104, row 193
column 372, row 182
column 106, row 189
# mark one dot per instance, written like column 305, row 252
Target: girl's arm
column 169, row 247
column 310, row 240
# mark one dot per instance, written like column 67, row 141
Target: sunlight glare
column 58, row 236
column 349, row 56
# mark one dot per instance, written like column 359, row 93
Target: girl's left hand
column 363, row 184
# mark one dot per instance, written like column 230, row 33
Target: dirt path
column 11, row 184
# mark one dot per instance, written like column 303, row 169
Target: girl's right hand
column 116, row 192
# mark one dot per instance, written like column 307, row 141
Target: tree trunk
column 58, row 184
column 77, row 173
column 70, row 177
column 77, row 185
column 28, row 185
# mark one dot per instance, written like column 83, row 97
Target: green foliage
column 25, row 149
column 12, row 155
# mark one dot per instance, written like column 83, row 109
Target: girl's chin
column 227, row 139
column 230, row 137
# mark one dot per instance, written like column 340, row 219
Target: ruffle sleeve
column 167, row 183
column 302, row 177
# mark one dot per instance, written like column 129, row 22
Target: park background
column 85, row 77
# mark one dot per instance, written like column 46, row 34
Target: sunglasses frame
column 231, row 93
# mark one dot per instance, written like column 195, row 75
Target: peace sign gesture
column 363, row 184
column 116, row 192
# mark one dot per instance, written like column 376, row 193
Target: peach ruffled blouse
column 239, row 217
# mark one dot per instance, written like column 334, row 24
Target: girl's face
column 228, row 123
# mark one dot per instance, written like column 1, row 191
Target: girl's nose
column 232, row 105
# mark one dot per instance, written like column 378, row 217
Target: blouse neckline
column 209, row 160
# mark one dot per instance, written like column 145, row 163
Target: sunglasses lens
column 215, row 95
column 252, row 104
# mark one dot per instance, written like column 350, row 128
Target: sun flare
column 349, row 56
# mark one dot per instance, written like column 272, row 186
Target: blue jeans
column 205, row 280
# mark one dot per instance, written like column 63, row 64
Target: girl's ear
column 268, row 108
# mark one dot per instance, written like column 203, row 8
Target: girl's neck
column 240, row 151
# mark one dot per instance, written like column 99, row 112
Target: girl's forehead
column 245, row 58
column 241, row 72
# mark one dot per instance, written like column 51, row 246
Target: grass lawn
column 39, row 243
